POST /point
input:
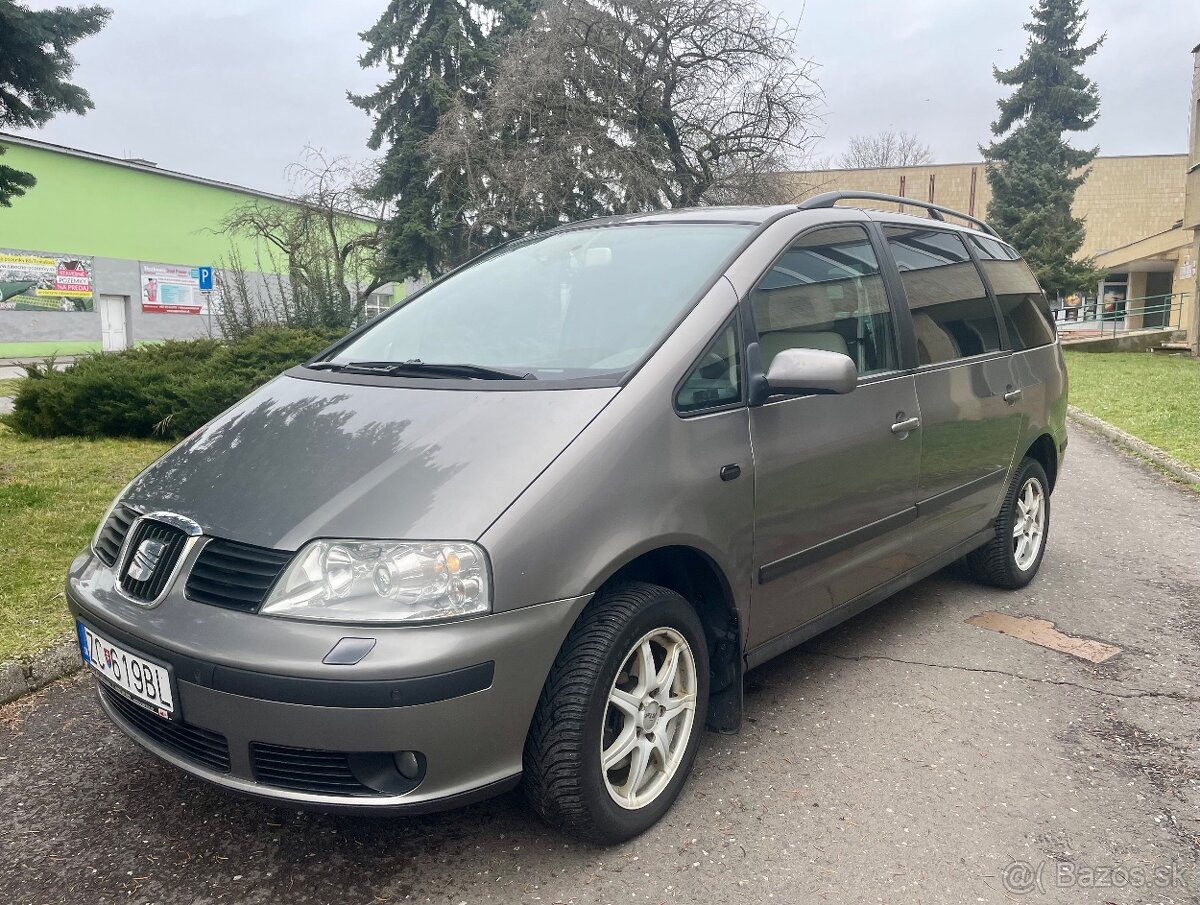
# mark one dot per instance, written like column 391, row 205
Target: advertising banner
column 174, row 289
column 44, row 281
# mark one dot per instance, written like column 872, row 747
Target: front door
column 114, row 334
column 1157, row 305
column 835, row 482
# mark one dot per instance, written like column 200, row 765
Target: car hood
column 300, row 458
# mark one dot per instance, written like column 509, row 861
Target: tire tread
column 554, row 747
column 993, row 563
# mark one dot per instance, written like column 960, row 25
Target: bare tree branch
column 326, row 241
column 612, row 106
column 885, row 149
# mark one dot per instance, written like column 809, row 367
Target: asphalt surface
column 9, row 372
column 906, row 756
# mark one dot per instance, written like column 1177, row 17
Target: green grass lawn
column 52, row 494
column 43, row 349
column 1154, row 397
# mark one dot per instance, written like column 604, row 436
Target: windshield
column 565, row 305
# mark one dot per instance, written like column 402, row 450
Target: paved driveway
column 905, row 757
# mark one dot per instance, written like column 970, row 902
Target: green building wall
column 89, row 207
column 108, row 209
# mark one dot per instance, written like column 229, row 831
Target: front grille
column 112, row 535
column 233, row 575
column 152, row 585
column 306, row 770
column 200, row 745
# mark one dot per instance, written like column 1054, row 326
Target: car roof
column 895, row 217
column 757, row 215
column 752, row 214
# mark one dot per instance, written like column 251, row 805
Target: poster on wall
column 44, row 281
column 176, row 289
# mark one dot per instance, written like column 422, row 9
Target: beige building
column 1124, row 199
column 1142, row 215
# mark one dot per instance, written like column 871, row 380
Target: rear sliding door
column 965, row 385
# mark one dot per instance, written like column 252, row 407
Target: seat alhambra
column 533, row 524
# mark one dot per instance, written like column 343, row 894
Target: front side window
column 1023, row 305
column 826, row 292
column 952, row 315
column 565, row 305
column 716, row 380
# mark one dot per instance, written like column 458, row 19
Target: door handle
column 908, row 424
column 1011, row 396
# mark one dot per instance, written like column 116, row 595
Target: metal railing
column 1153, row 312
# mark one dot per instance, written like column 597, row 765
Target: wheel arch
column 1043, row 451
column 697, row 577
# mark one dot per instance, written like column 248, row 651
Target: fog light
column 407, row 764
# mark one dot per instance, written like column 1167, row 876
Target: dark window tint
column 1022, row 303
column 825, row 292
column 952, row 315
column 716, row 380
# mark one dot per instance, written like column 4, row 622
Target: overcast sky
column 234, row 89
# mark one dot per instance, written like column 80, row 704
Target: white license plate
column 131, row 673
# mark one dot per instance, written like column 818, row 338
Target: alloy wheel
column 649, row 718
column 1029, row 525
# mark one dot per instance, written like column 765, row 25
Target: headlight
column 382, row 581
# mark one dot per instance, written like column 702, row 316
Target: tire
column 1002, row 561
column 577, row 716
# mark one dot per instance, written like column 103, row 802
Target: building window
column 377, row 303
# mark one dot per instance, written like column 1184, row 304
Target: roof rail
column 829, row 199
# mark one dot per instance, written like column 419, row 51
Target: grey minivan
column 533, row 524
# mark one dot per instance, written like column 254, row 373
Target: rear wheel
column 1013, row 556
column 619, row 721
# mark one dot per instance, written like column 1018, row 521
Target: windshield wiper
column 417, row 368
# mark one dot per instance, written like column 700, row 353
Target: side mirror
column 796, row 371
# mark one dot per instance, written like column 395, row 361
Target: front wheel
column 617, row 727
column 1013, row 556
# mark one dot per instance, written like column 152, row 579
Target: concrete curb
column 1165, row 461
column 20, row 677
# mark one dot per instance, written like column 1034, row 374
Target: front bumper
column 461, row 695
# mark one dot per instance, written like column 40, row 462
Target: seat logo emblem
column 145, row 560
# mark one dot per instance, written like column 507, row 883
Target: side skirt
column 852, row 608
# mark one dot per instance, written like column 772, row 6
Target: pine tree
column 434, row 51
column 1032, row 170
column 35, row 64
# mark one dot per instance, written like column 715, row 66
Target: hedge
column 165, row 390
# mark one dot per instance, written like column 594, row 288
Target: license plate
column 128, row 672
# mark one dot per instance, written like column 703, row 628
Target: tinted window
column 716, row 380
column 952, row 315
column 825, row 292
column 563, row 305
column 1022, row 303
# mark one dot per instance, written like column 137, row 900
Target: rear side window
column 1023, row 305
column 826, row 292
column 952, row 315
